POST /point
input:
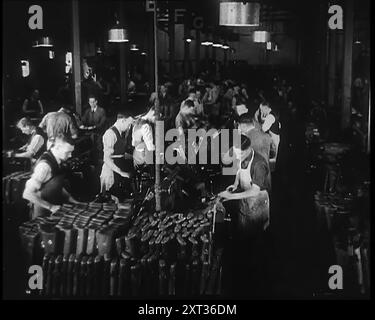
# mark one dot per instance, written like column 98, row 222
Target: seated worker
column 142, row 137
column 94, row 117
column 269, row 123
column 45, row 188
column 116, row 169
column 94, row 120
column 59, row 123
column 37, row 141
column 250, row 213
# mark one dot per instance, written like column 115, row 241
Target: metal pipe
column 158, row 133
column 369, row 121
column 76, row 58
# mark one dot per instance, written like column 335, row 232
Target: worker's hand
column 72, row 200
column 124, row 174
column 231, row 188
column 225, row 195
column 54, row 209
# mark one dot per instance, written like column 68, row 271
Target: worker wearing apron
column 45, row 188
column 250, row 214
column 117, row 167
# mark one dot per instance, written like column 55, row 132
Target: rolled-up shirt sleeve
column 148, row 137
column 42, row 173
column 268, row 122
column 36, row 143
column 109, row 140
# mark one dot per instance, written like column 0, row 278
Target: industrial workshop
column 215, row 149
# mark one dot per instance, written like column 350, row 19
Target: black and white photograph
column 212, row 151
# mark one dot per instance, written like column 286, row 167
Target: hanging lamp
column 239, row 13
column 118, row 33
column 261, row 36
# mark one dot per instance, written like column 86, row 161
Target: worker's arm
column 68, row 196
column 252, row 192
column 24, row 106
column 109, row 140
column 33, row 148
column 43, row 123
column 148, row 137
column 234, row 186
column 40, row 107
column 268, row 122
column 32, row 193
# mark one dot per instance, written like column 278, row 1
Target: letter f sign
column 36, row 20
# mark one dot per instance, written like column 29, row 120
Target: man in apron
column 250, row 214
column 117, row 166
column 45, row 188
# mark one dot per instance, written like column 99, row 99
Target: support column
column 197, row 50
column 76, row 58
column 332, row 69
column 123, row 67
column 171, row 34
column 159, row 133
column 186, row 48
column 347, row 69
column 151, row 51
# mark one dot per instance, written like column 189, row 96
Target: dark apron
column 122, row 185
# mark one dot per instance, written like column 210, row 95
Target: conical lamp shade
column 239, row 14
column 118, row 34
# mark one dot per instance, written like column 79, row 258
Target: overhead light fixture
column 51, row 54
column 217, row 45
column 118, row 34
column 276, row 48
column 239, row 13
column 99, row 50
column 45, row 42
column 134, row 47
column 189, row 38
column 207, row 43
column 261, row 36
column 357, row 42
column 143, row 53
column 225, row 46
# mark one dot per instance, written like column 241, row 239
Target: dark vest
column 51, row 190
column 40, row 132
column 275, row 128
column 120, row 148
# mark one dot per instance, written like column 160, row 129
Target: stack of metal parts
column 13, row 186
column 89, row 250
column 338, row 214
column 82, row 229
column 172, row 255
